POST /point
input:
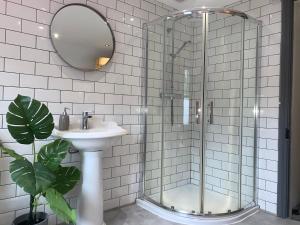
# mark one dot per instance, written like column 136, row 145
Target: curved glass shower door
column 178, row 192
column 200, row 121
column 153, row 34
column 223, row 96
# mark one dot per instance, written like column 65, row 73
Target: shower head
column 181, row 48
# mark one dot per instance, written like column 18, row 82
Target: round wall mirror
column 82, row 37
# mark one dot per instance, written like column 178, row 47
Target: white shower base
column 187, row 199
column 196, row 220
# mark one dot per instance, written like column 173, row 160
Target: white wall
column 29, row 65
column 177, row 137
column 269, row 12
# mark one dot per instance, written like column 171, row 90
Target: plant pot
column 23, row 219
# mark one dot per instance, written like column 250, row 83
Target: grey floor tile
column 134, row 215
column 131, row 215
column 268, row 219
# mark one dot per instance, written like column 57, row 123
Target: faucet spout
column 84, row 120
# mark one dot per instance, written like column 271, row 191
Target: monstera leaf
column 10, row 152
column 66, row 179
column 52, row 154
column 28, row 119
column 33, row 178
column 60, row 207
column 22, row 172
column 44, row 178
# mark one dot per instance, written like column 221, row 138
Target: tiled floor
column 134, row 215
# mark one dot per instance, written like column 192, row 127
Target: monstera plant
column 27, row 121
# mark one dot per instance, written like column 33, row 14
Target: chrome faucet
column 84, row 120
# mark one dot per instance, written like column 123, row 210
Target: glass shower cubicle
column 200, row 99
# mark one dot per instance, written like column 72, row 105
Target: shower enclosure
column 200, row 111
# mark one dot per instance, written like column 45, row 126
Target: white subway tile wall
column 224, row 89
column 269, row 12
column 30, row 66
column 177, row 136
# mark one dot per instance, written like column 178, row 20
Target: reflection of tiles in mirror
column 186, row 198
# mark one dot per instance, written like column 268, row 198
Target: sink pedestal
column 90, row 203
column 90, row 144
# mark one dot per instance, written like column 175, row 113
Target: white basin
column 96, row 138
column 91, row 143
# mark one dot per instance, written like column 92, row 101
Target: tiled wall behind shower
column 182, row 139
column 224, row 44
column 269, row 12
column 223, row 102
column 177, row 131
column 30, row 66
column 177, row 134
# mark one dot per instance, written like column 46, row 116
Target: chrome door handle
column 211, row 112
column 198, row 112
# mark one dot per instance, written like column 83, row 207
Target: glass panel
column 250, row 110
column 187, row 111
column 179, row 192
column 153, row 136
column 197, row 99
column 222, row 114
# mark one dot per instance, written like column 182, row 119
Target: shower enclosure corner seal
column 241, row 114
column 257, row 114
column 145, row 105
column 203, row 97
column 163, row 117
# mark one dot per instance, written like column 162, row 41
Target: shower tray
column 182, row 218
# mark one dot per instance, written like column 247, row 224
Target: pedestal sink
column 91, row 143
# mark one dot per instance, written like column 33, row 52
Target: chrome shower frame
column 203, row 12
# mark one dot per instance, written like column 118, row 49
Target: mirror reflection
column 82, row 37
